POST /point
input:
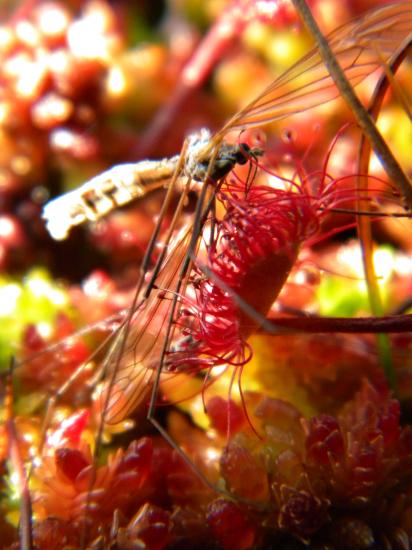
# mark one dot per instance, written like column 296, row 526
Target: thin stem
column 359, row 325
column 364, row 224
column 25, row 526
column 389, row 163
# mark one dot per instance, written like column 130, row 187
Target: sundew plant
column 206, row 275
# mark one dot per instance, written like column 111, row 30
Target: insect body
column 256, row 245
column 115, row 187
column 125, row 182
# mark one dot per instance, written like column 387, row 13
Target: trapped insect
column 361, row 47
column 216, row 275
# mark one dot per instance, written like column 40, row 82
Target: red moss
column 66, row 478
column 244, row 475
column 351, row 532
column 301, row 513
column 148, row 529
column 355, row 461
column 324, row 442
column 70, row 462
column 230, row 525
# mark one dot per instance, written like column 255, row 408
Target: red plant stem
column 360, row 325
column 222, row 35
column 22, row 11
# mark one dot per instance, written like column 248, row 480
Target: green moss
column 36, row 299
column 340, row 297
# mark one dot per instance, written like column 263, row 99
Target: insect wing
column 132, row 374
column 361, row 47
